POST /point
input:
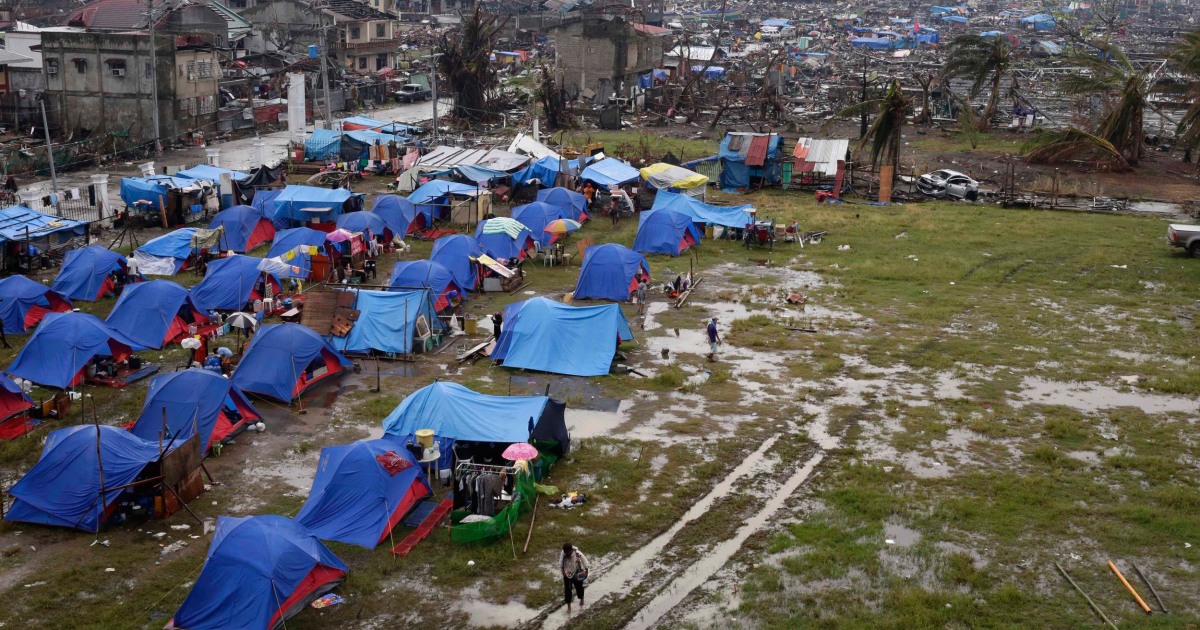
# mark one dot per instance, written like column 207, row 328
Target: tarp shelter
column 86, row 273
column 665, row 231
column 18, row 223
column 387, row 321
column 298, row 205
column 453, row 411
column 63, row 344
column 211, row 173
column 286, row 240
column 456, row 253
column 397, row 213
column 750, row 158
column 710, row 72
column 536, row 216
column 264, row 200
column 573, row 204
column 503, row 238
column 260, row 571
column 189, row 400
column 357, row 123
column 700, row 212
column 296, row 263
column 544, row 170
column 243, row 228
column 284, row 360
column 426, row 274
column 150, row 193
column 155, row 313
column 548, row 336
column 610, row 172
column 63, row 488
column 434, row 198
column 479, row 175
column 166, row 255
column 662, row 176
column 609, row 272
column 362, row 490
column 956, row 19
column 230, row 283
column 323, row 144
column 1039, row 22
column 364, row 221
column 874, row 43
column 24, row 302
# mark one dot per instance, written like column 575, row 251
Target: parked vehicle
column 952, row 184
column 411, row 93
column 1185, row 236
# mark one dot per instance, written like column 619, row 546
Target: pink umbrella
column 520, row 450
column 339, row 235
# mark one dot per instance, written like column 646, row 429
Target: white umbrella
column 241, row 321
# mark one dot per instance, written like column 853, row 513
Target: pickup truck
column 1185, row 236
column 411, row 93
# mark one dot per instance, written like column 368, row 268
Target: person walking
column 574, row 566
column 714, row 339
column 641, row 295
column 497, row 323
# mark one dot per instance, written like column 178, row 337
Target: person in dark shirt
column 714, row 339
column 497, row 323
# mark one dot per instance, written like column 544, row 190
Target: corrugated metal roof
column 820, row 156
column 756, row 155
column 444, row 157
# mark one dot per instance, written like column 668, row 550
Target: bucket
column 470, row 326
column 708, row 232
column 425, row 437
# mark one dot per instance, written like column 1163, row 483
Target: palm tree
column 1186, row 56
column 884, row 133
column 988, row 60
column 1109, row 74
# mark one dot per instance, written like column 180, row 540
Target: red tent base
column 16, row 426
column 423, row 530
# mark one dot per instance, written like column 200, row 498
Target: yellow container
column 708, row 232
column 425, row 437
column 470, row 326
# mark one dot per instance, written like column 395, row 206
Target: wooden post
column 162, row 213
column 886, row 173
column 99, row 463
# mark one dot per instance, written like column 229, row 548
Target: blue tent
column 545, row 170
column 259, row 572
column 18, row 223
column 24, row 302
column 455, row 252
column 432, row 197
column 992, row 34
column 397, row 213
column 150, row 193
column 455, row 412
column 665, row 231
column 193, row 399
column 513, row 241
column 573, row 204
column 63, row 487
column 874, row 43
column 363, row 221
column 284, row 360
column 608, row 272
column 387, row 321
column 323, row 144
column 749, row 156
column 211, row 173
column 610, row 172
column 362, row 490
column 426, row 274
column 479, row 175
column 540, row 334
column 286, row 240
column 700, row 212
column 167, row 254
column 244, row 227
column 302, row 204
column 957, row 19
column 63, row 344
column 264, row 201
column 154, row 313
column 536, row 216
column 85, row 273
column 229, row 284
column 1039, row 22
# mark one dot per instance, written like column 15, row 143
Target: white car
column 951, row 184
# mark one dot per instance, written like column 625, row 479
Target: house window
column 362, row 63
column 116, row 67
column 80, row 64
column 381, row 30
column 380, row 62
column 237, row 4
column 51, row 66
column 148, row 70
column 590, row 50
column 355, row 32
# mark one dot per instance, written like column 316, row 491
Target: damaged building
column 600, row 57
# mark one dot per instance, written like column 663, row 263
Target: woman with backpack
column 574, row 566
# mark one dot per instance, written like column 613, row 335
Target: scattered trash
column 110, row 570
column 470, row 563
column 35, row 584
column 890, row 541
column 327, row 601
column 843, row 248
column 160, row 534
column 181, row 526
column 1120, row 266
column 175, row 546
column 99, row 542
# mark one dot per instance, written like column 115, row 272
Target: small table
column 429, row 462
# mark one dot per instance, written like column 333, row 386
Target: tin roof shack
column 174, row 17
column 101, row 83
column 365, row 41
column 601, row 55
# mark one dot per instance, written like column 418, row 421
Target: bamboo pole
column 1129, row 586
column 1153, row 591
column 532, row 522
column 1085, row 596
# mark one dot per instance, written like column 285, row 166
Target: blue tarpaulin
column 154, row 313
column 536, row 216
column 172, row 248
column 665, row 231
column 387, row 321
column 610, row 172
column 85, row 273
column 426, row 274
column 211, row 173
column 363, row 221
column 1040, row 22
column 189, row 400
column 503, row 245
column 302, row 204
column 710, row 72
column 63, row 488
column 243, row 228
column 545, row 170
column 323, row 144
column 377, row 125
column 287, row 240
column 700, row 212
column 573, row 204
column 957, row 19
column 18, row 223
column 283, row 360
column 264, row 201
column 548, row 336
column 455, row 252
column 396, row 211
column 362, row 490
column 228, row 284
column 149, row 194
column 608, row 272
column 478, row 174
column 431, row 197
column 455, row 412
column 254, row 565
column 23, row 303
column 63, row 344
column 737, row 170
column 874, row 43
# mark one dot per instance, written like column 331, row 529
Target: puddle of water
column 587, row 423
column 296, row 471
column 718, row 556
column 1155, row 207
column 620, row 579
column 576, row 392
column 1088, row 457
column 1092, row 397
column 900, row 535
column 977, row 559
column 485, row 614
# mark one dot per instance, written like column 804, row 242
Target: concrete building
column 101, row 83
column 176, row 17
column 601, row 56
column 361, row 38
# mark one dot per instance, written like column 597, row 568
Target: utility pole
column 434, row 71
column 150, row 20
column 862, row 130
column 320, row 9
column 49, row 153
column 720, row 32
